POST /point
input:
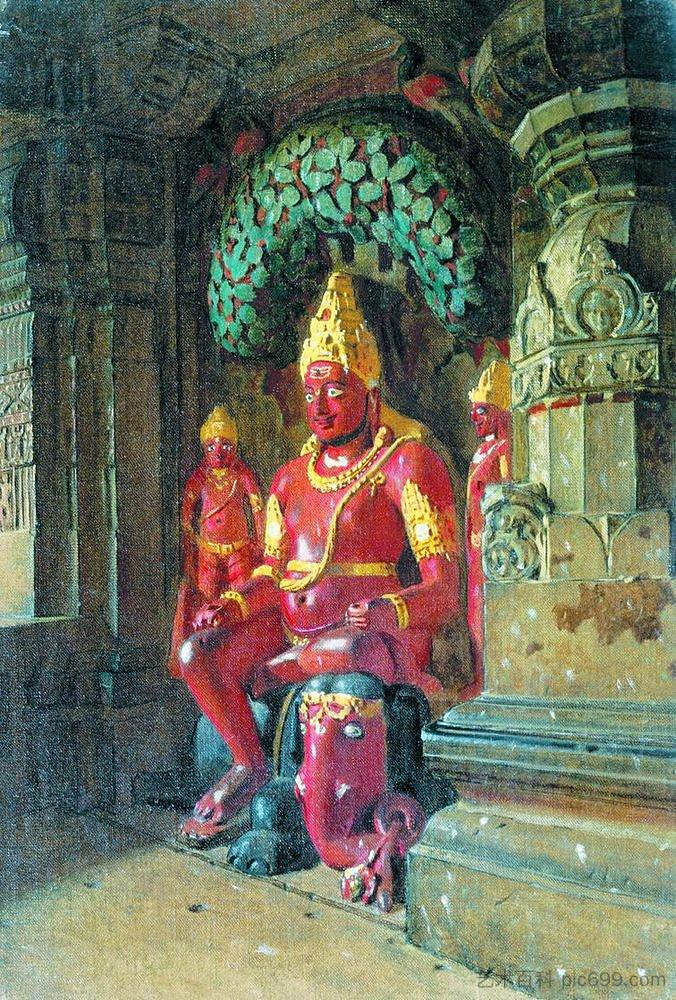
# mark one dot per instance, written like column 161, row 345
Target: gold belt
column 222, row 548
column 344, row 569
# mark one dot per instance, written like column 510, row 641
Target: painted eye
column 309, row 397
column 353, row 731
column 333, row 393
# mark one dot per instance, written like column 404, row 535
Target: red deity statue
column 222, row 526
column 491, row 464
column 327, row 597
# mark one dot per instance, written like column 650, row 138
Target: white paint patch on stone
column 581, row 852
column 454, row 833
column 506, row 663
column 341, row 789
column 552, row 713
column 531, row 613
column 483, row 821
column 515, row 629
column 560, row 973
column 218, row 795
column 570, row 675
column 446, row 903
column 265, row 949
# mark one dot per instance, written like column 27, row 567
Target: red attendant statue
column 221, row 544
column 327, row 597
column 491, row 464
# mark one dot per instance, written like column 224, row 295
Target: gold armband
column 274, row 529
column 430, row 532
column 256, row 503
column 267, row 571
column 240, row 601
column 400, row 606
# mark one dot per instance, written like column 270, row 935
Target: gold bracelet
column 400, row 606
column 234, row 595
column 266, row 571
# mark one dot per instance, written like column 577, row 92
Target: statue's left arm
column 418, row 482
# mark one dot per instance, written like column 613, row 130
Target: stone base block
column 556, row 906
column 585, row 547
column 566, row 639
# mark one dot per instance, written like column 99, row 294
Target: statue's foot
column 212, row 813
column 269, row 852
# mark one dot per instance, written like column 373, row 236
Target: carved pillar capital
column 513, row 541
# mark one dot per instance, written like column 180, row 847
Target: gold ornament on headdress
column 219, row 424
column 494, row 386
column 338, row 333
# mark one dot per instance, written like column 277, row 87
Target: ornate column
column 552, row 865
column 17, row 467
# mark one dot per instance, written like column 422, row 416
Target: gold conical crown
column 494, row 386
column 338, row 333
column 219, row 424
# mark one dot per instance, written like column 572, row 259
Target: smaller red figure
column 354, row 823
column 491, row 464
column 223, row 544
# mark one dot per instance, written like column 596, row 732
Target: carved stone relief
column 605, row 301
column 602, row 304
column 513, row 541
column 17, row 479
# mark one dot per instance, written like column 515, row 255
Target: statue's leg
column 218, row 667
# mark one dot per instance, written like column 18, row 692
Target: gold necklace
column 328, row 484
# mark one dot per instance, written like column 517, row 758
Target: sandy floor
column 147, row 921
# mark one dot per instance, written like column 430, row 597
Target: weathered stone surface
column 566, row 639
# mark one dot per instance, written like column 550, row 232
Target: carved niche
column 514, row 535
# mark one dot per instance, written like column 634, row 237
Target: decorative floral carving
column 604, row 301
column 513, row 540
column 569, row 370
column 534, row 324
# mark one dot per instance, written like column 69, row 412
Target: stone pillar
column 17, row 466
column 553, row 864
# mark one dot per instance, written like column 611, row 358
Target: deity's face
column 336, row 401
column 219, row 452
column 486, row 418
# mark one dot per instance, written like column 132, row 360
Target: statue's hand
column 214, row 615
column 377, row 614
